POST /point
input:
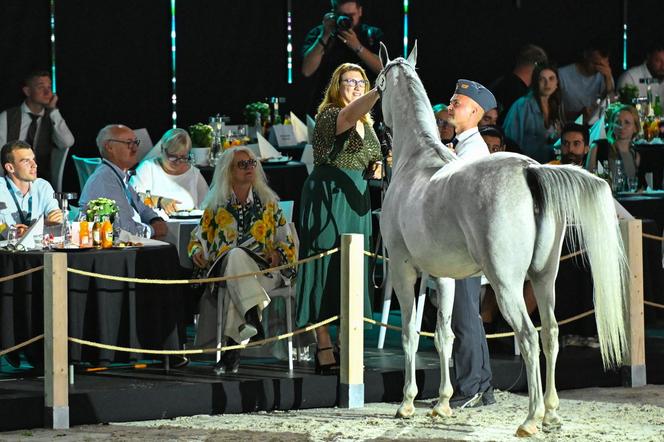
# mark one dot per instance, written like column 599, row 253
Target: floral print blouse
column 234, row 224
column 347, row 150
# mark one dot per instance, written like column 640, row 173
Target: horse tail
column 584, row 200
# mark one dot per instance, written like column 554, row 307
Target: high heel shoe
column 326, row 369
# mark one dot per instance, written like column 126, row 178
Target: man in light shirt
column 651, row 70
column 25, row 196
column 118, row 147
column 38, row 122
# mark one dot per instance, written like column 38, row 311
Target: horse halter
column 381, row 80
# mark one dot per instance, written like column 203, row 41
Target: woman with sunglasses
column 335, row 199
column 172, row 181
column 242, row 228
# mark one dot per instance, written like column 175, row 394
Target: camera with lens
column 344, row 23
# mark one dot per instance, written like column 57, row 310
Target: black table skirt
column 645, row 206
column 286, row 179
column 126, row 314
column 652, row 160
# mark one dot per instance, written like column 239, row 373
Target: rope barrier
column 204, row 350
column 649, row 236
column 21, row 345
column 19, row 274
column 372, row 255
column 653, row 304
column 491, row 336
column 572, row 255
column 201, row 280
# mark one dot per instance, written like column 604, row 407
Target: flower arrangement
column 257, row 108
column 101, row 207
column 201, row 135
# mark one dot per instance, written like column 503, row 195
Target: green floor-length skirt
column 334, row 201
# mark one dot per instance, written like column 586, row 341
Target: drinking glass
column 632, row 184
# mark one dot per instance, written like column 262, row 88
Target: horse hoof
column 442, row 411
column 526, row 431
column 405, row 412
column 551, row 422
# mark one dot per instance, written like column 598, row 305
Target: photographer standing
column 341, row 38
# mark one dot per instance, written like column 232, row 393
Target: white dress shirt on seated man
column 188, row 188
column 471, row 145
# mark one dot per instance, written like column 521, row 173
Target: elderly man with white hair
column 118, row 147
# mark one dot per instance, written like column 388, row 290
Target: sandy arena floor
column 594, row 414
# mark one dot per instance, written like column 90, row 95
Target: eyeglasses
column 351, row 82
column 442, row 123
column 179, row 159
column 135, row 142
column 246, row 164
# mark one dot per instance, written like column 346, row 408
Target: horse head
column 383, row 81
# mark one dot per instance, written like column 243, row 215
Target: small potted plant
column 201, row 135
column 101, row 207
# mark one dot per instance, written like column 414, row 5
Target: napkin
column 299, row 129
column 266, row 149
column 308, row 157
column 311, row 123
column 28, row 238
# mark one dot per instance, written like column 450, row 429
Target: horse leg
column 444, row 340
column 513, row 308
column 403, row 276
column 544, row 291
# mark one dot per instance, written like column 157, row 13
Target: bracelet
column 358, row 50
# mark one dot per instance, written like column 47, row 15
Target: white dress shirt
column 634, row 75
column 471, row 145
column 62, row 136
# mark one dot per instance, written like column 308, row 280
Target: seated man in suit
column 25, row 196
column 38, row 122
column 118, row 147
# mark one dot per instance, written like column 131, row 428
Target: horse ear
column 412, row 57
column 382, row 55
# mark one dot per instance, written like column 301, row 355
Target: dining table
column 119, row 313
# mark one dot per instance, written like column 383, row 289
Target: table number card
column 284, row 135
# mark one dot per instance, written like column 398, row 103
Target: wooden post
column 351, row 385
column 634, row 372
column 56, row 401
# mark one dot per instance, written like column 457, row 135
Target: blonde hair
column 332, row 97
column 612, row 113
column 222, row 186
column 175, row 140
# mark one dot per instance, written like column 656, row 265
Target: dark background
column 114, row 63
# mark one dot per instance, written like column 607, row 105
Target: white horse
column 503, row 215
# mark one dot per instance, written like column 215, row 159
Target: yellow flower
column 271, row 206
column 282, row 220
column 230, row 234
column 258, row 231
column 207, row 217
column 268, row 219
column 223, row 249
column 211, row 234
column 223, row 217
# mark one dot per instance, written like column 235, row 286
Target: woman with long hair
column 335, row 198
column 534, row 120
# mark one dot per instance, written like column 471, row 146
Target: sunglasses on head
column 246, row 164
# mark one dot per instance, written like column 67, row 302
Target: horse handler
column 472, row 368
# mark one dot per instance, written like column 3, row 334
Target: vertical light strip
column 405, row 28
column 625, row 46
column 289, row 45
column 53, row 46
column 174, row 96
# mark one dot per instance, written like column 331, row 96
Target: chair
column 85, row 167
column 58, row 159
column 287, row 208
column 287, row 292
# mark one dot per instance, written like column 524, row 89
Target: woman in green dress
column 335, row 198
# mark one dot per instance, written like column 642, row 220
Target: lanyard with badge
column 125, row 186
column 25, row 217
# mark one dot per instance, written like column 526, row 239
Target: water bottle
column 619, row 178
column 12, row 236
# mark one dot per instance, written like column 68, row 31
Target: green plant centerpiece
column 257, row 108
column 101, row 207
column 628, row 93
column 201, row 135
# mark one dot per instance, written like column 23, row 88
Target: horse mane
column 420, row 107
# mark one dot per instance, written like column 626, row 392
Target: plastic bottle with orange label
column 106, row 233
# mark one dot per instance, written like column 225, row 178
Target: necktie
column 454, row 143
column 32, row 129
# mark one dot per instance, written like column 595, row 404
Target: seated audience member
column 651, row 69
column 494, row 138
column 445, row 128
column 25, row 196
column 534, row 120
column 574, row 144
column 118, row 147
column 240, row 211
column 585, row 82
column 37, row 121
column 623, row 125
column 172, row 181
column 490, row 118
column 510, row 87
